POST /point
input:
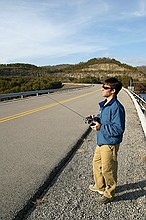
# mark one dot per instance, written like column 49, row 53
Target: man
column 109, row 135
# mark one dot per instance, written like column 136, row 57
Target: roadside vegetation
column 12, row 84
column 20, row 77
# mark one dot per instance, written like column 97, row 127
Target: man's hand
column 95, row 126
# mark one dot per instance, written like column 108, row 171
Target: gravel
column 68, row 198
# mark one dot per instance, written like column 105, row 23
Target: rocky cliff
column 101, row 70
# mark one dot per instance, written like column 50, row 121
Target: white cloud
column 135, row 61
column 138, row 9
column 36, row 31
column 33, row 29
column 141, row 9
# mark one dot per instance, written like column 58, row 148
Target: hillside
column 96, row 67
column 23, row 77
column 142, row 69
column 101, row 68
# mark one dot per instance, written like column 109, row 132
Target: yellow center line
column 42, row 108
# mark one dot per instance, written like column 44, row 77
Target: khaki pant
column 105, row 167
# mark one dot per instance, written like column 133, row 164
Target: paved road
column 69, row 198
column 36, row 133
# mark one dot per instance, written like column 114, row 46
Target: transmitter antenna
column 67, row 107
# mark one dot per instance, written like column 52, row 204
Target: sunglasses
column 106, row 87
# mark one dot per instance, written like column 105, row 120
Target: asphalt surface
column 41, row 184
column 35, row 141
column 68, row 198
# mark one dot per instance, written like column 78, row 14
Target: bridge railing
column 39, row 92
column 140, row 112
column 140, row 101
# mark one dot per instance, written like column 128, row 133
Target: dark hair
column 114, row 84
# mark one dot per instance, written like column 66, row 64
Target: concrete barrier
column 139, row 111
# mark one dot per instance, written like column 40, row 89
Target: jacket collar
column 109, row 103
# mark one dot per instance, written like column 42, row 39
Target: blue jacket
column 112, row 119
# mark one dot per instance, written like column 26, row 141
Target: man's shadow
column 136, row 190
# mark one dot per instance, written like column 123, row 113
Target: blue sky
column 50, row 32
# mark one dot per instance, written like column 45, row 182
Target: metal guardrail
column 140, row 113
column 140, row 101
column 38, row 92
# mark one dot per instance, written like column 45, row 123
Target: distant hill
column 142, row 68
column 96, row 67
column 103, row 67
column 26, row 77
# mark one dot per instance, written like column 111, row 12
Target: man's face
column 107, row 91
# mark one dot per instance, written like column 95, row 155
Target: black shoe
column 104, row 200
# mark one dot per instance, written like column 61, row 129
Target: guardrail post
column 23, row 94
